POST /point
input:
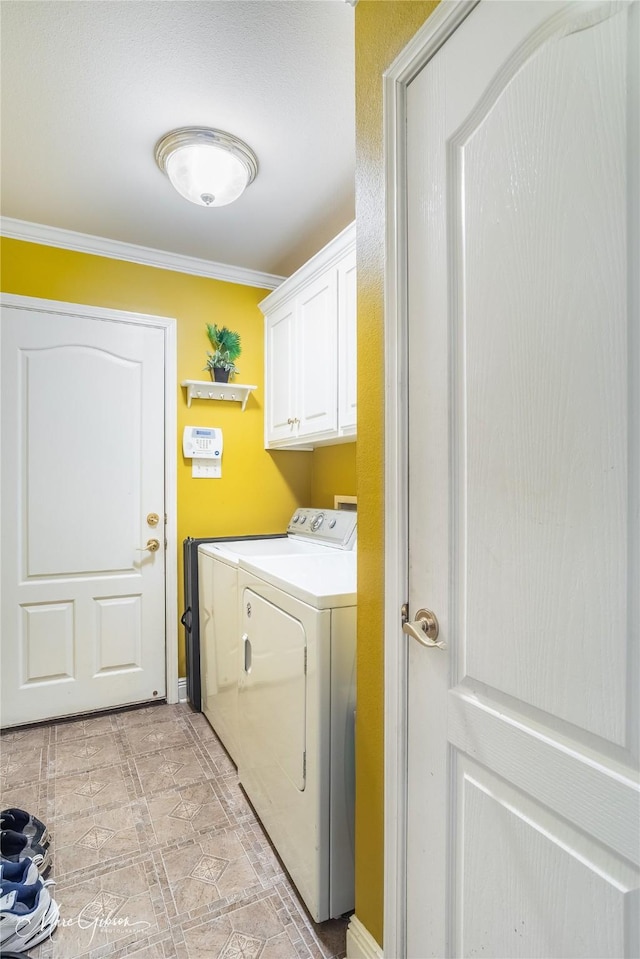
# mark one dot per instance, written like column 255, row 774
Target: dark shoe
column 14, row 847
column 20, row 821
column 25, row 872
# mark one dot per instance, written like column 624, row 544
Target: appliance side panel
column 342, row 798
column 219, row 648
column 190, row 621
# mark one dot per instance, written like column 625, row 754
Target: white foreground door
column 83, row 610
column 524, row 376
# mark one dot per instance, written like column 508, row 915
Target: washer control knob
column 332, row 523
column 303, row 519
column 296, row 518
column 317, row 521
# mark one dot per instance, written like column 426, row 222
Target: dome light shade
column 207, row 167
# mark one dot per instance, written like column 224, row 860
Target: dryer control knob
column 317, row 521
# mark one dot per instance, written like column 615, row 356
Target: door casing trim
column 169, row 326
column 421, row 48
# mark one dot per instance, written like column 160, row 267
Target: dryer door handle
column 247, row 652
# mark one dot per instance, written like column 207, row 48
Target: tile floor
column 156, row 852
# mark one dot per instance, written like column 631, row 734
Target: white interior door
column 83, row 607
column 523, row 815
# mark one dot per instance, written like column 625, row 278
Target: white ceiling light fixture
column 207, row 167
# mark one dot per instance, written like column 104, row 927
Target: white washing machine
column 309, row 532
column 296, row 710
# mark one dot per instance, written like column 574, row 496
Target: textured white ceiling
column 89, row 86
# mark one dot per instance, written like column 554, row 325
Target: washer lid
column 325, row 580
column 231, row 551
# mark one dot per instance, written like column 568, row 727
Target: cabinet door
column 347, row 346
column 316, row 359
column 280, row 374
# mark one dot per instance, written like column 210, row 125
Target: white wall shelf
column 208, row 390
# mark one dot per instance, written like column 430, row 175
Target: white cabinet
column 310, row 351
column 347, row 355
column 280, row 388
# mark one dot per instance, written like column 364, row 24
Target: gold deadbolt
column 153, row 519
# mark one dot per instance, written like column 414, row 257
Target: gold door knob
column 153, row 545
column 424, row 629
column 153, row 519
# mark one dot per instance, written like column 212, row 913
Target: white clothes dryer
column 296, row 711
column 310, row 531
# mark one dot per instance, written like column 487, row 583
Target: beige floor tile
column 151, row 739
column 206, row 871
column 169, row 767
column 280, row 947
column 159, row 950
column 21, row 766
column 87, row 753
column 219, row 757
column 29, row 796
column 202, row 728
column 258, row 919
column 115, row 908
column 87, row 792
column 83, row 842
column 250, row 931
column 151, row 836
column 81, row 728
column 238, row 877
column 151, row 714
column 185, row 812
column 208, row 940
column 36, row 738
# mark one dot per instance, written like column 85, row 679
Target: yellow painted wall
column 280, row 481
column 382, row 31
column 333, row 471
column 258, row 490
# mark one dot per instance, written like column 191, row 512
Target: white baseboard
column 360, row 942
column 182, row 689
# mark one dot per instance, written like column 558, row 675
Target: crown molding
column 117, row 250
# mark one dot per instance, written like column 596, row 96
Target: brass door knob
column 153, row 545
column 424, row 629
